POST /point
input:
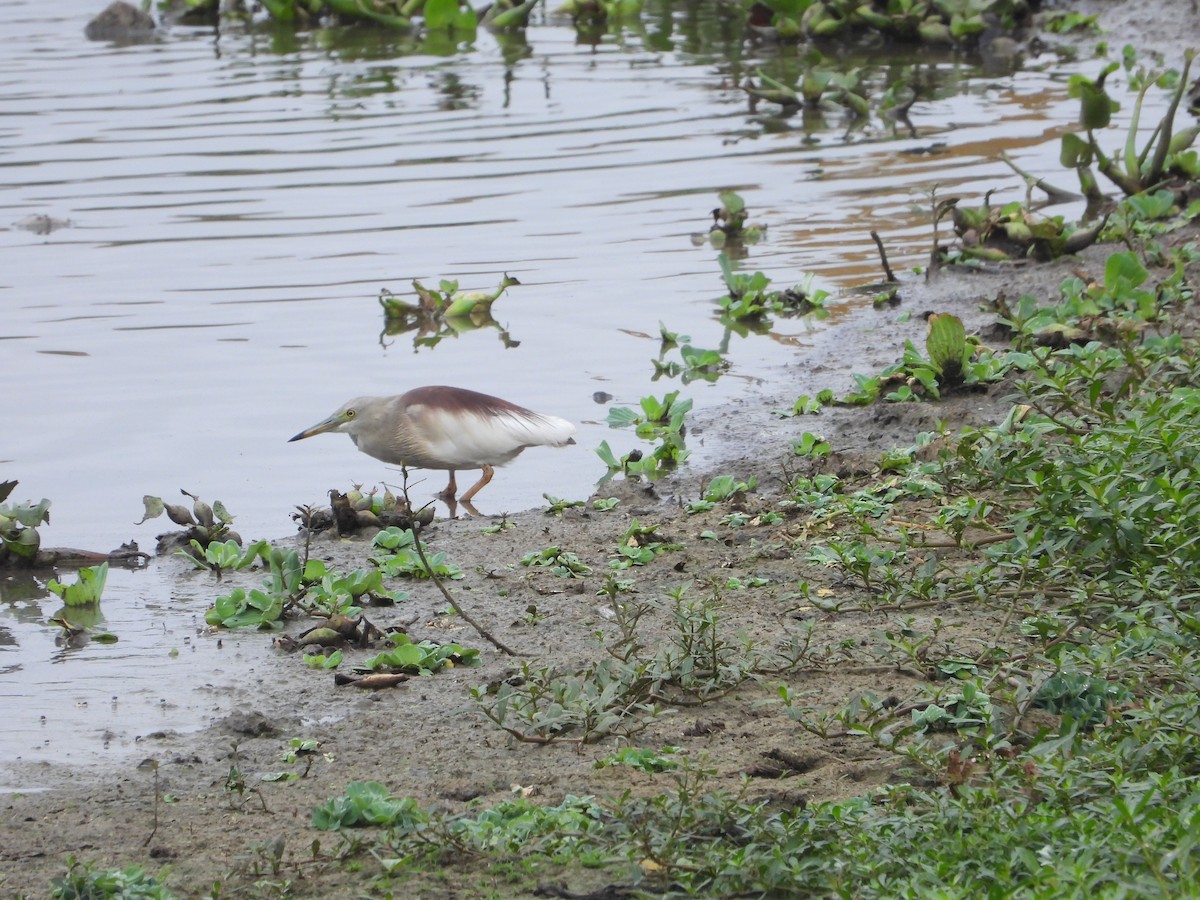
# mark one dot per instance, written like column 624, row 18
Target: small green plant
column 819, row 85
column 643, row 759
column 1014, row 231
column 560, row 562
column 1060, row 21
column 444, row 311
column 720, row 489
column 695, row 365
column 405, row 561
column 558, row 506
column 954, row 361
column 420, row 657
column 86, row 880
column 368, row 803
column 241, row 608
column 331, row 593
column 323, row 661
column 86, row 590
column 444, row 301
column 640, row 545
column 730, row 222
column 811, row 445
column 656, row 416
column 220, row 556
column 1114, row 310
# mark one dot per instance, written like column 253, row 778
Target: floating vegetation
column 730, row 223
column 443, row 312
column 87, row 588
column 19, row 537
column 204, row 523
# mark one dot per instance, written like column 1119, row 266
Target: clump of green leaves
column 444, row 311
column 695, row 364
column 204, row 523
column 1115, row 310
column 19, row 537
column 86, row 880
column 420, row 657
column 656, row 417
column 1013, row 231
column 562, row 563
column 220, row 556
column 1167, row 153
column 643, row 759
column 953, row 361
column 720, row 489
column 748, row 302
column 368, row 803
column 403, row 559
column 261, row 608
column 730, row 222
column 87, row 588
column 661, row 420
column 330, row 593
column 640, row 545
column 446, row 300
column 241, row 609
column 819, row 85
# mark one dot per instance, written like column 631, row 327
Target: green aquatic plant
column 640, row 545
column 420, row 657
column 1013, row 231
column 695, row 364
column 85, row 590
column 1117, row 308
column 446, row 300
column 368, row 803
column 87, row 881
column 730, row 223
column 562, row 563
column 818, row 86
column 720, row 489
column 19, row 524
column 953, row 361
column 241, row 609
column 403, row 559
column 219, row 556
column 1167, row 152
column 204, row 523
column 444, row 311
column 657, row 415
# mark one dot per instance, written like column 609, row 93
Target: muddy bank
column 426, row 738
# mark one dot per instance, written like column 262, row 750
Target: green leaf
column 86, row 590
column 622, row 417
column 946, row 343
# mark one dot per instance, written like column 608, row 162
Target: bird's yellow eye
column 350, row 414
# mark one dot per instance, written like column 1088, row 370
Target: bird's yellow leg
column 451, row 488
column 488, row 471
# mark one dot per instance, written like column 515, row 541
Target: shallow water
column 237, row 201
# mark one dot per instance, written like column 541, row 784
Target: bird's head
column 349, row 419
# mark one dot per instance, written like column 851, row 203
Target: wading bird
column 442, row 427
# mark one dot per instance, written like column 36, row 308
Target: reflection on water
column 233, row 200
column 79, row 702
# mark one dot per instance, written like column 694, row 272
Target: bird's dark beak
column 320, row 428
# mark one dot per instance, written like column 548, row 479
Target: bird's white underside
column 464, row 440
